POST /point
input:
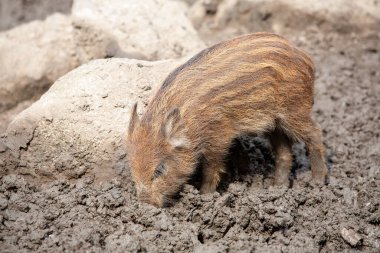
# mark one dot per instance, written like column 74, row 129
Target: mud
column 248, row 214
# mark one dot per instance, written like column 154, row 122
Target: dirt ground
column 248, row 214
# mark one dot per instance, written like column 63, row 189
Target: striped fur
column 257, row 83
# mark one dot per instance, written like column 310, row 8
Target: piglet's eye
column 159, row 171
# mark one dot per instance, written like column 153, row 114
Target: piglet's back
column 233, row 74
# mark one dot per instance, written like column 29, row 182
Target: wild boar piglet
column 253, row 84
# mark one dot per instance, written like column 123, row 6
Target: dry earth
column 248, row 214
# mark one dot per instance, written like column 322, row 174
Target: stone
column 16, row 12
column 74, row 119
column 33, row 56
column 351, row 237
column 149, row 29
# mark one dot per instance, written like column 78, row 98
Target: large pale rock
column 79, row 125
column 149, row 29
column 33, row 56
column 15, row 12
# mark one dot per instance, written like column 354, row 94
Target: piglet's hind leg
column 281, row 146
column 317, row 155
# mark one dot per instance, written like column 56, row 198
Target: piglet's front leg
column 211, row 174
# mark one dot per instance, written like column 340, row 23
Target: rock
column 33, row 56
column 242, row 16
column 15, row 12
column 94, row 42
column 200, row 9
column 74, row 126
column 351, row 237
column 150, row 29
column 9, row 115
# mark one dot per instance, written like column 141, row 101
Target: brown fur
column 257, row 83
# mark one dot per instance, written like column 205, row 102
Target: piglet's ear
column 133, row 120
column 174, row 131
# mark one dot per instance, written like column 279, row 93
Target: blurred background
column 42, row 40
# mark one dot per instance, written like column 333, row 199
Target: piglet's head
column 160, row 156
